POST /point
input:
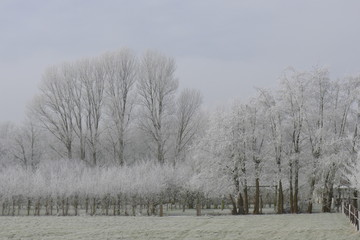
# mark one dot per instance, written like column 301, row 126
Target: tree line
column 130, row 137
column 111, row 109
column 302, row 139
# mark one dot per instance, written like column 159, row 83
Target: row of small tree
column 66, row 187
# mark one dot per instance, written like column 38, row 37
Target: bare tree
column 275, row 118
column 156, row 89
column 187, row 120
column 27, row 146
column 53, row 108
column 293, row 94
column 256, row 139
column 338, row 132
column 94, row 85
column 78, row 72
column 239, row 147
column 318, row 100
column 121, row 75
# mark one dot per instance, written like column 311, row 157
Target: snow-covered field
column 317, row 226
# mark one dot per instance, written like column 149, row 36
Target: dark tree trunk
column 69, row 149
column 280, row 201
column 47, row 206
column 246, row 200
column 114, row 206
column 198, row 205
column 296, row 185
column 118, row 204
column 13, row 207
column 161, row 212
column 121, row 149
column 240, row 203
column 312, row 188
column 234, row 210
column 86, row 205
column 257, row 197
column 325, row 200
column 76, row 203
column 291, row 194
column 51, row 206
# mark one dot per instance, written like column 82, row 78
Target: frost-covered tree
column 274, row 115
column 187, row 121
column 54, row 107
column 156, row 88
column 256, row 137
column 27, row 145
column 293, row 94
column 121, row 73
column 94, row 85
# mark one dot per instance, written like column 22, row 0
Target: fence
column 352, row 213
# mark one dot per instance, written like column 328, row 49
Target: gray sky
column 223, row 48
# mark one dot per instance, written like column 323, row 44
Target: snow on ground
column 303, row 226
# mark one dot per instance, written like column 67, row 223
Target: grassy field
column 302, row 226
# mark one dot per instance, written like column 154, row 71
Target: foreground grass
column 302, row 226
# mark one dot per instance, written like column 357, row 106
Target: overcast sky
column 223, row 48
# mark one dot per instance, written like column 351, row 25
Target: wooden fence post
column 350, row 213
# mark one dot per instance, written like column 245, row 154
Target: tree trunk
column 161, row 214
column 114, row 206
column 13, row 207
column 94, row 157
column 234, row 210
column 19, row 206
column 296, row 185
column 160, row 153
column 280, row 199
column 87, row 205
column 246, row 200
column 47, row 206
column 76, row 203
column 93, row 208
column 325, row 200
column 257, row 197
column 121, row 148
column 311, row 192
column 240, row 204
column 82, row 147
column 198, row 206
column 276, row 198
column 69, row 149
column 67, row 207
column 51, row 206
column 125, row 206
column 291, row 194
column 119, row 204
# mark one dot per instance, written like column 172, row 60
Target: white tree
column 121, row 73
column 275, row 117
column 156, row 89
column 53, row 107
column 293, row 94
column 27, row 146
column 94, row 85
column 187, row 121
column 256, row 136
